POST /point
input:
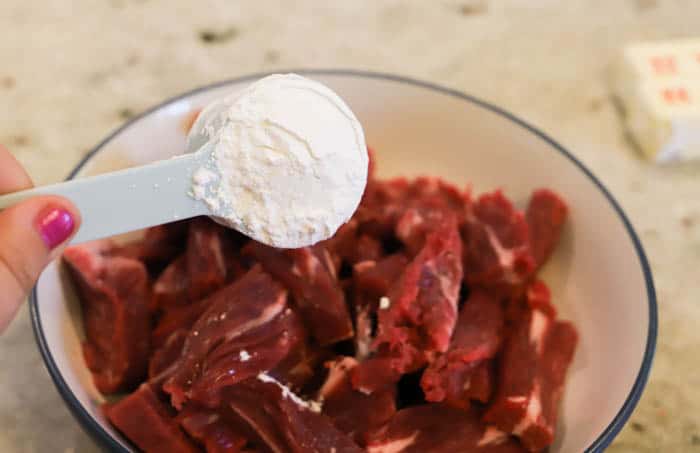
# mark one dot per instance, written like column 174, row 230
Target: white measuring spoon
column 284, row 162
column 131, row 199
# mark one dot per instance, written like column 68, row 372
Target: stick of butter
column 658, row 85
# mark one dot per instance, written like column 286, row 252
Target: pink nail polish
column 55, row 226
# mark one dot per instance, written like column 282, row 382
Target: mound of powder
column 289, row 161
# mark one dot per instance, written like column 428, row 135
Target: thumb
column 32, row 233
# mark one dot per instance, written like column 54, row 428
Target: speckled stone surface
column 70, row 72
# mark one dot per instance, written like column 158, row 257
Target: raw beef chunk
column 249, row 315
column 351, row 246
column 166, row 355
column 538, row 297
column 176, row 318
column 496, row 250
column 464, row 371
column 172, row 286
column 302, row 367
column 284, row 421
column 205, row 257
column 309, row 275
column 353, row 412
column 205, row 266
column 148, row 423
column 384, row 203
column 159, row 245
column 213, row 429
column 421, row 313
column 259, row 350
column 535, row 359
column 435, row 428
column 546, row 214
column 114, row 295
column 376, row 277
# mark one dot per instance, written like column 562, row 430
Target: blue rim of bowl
column 606, row 437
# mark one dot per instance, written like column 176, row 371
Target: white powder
column 313, row 406
column 384, row 303
column 289, row 161
column 203, row 176
column 243, row 355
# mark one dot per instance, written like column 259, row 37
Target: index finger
column 12, row 174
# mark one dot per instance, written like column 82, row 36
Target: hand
column 32, row 233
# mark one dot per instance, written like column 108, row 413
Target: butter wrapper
column 658, row 87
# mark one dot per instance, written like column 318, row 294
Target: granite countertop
column 71, row 74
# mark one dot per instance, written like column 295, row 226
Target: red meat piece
column 212, row 429
column 259, row 350
column 284, row 421
column 353, row 412
column 249, row 313
column 350, row 246
column 479, row 329
column 538, row 297
column 367, row 248
column 496, row 248
column 482, row 381
column 148, row 423
column 254, row 407
column 476, row 339
column 165, row 356
column 426, row 295
column 546, row 215
column 372, row 281
column 205, row 256
column 316, row 291
column 376, row 277
column 532, row 373
column 172, row 286
column 342, row 243
column 422, row 313
column 436, row 428
column 160, row 244
column 329, row 260
column 385, row 202
column 301, row 367
column 381, row 205
column 176, row 318
column 440, row 192
column 458, row 384
column 207, row 264
column 378, row 373
column 114, row 297
column 417, row 222
column 535, row 295
column 556, row 359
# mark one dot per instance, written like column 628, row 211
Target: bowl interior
column 596, row 275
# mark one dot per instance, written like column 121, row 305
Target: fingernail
column 55, row 226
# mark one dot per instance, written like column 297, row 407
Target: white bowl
column 599, row 276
